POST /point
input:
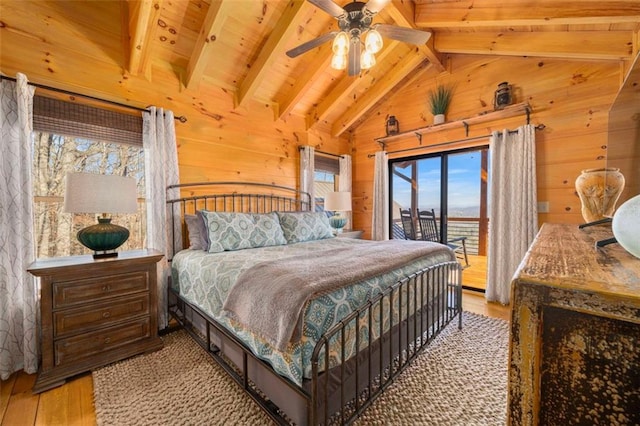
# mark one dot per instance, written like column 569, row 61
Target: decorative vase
column 438, row 119
column 626, row 225
column 599, row 190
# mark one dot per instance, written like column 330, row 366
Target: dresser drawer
column 78, row 348
column 87, row 318
column 69, row 293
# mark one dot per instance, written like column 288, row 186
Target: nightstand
column 349, row 233
column 95, row 312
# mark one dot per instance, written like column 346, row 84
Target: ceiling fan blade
column 407, row 35
column 305, row 47
column 330, row 7
column 375, row 6
column 354, row 58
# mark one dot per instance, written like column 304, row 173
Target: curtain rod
column 180, row 118
column 322, row 152
column 538, row 127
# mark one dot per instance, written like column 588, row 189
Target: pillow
column 305, row 226
column 197, row 231
column 237, row 231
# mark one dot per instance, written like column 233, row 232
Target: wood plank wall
column 218, row 141
column 571, row 98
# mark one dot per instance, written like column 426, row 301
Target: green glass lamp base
column 337, row 223
column 103, row 238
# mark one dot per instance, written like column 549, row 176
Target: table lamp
column 101, row 194
column 338, row 202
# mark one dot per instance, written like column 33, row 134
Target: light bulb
column 339, row 62
column 373, row 41
column 367, row 60
column 341, row 44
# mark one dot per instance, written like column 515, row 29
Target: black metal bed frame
column 411, row 313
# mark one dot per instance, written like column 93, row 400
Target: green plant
column 439, row 99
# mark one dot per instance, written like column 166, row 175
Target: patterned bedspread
column 205, row 279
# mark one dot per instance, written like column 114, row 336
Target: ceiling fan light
column 341, row 44
column 339, row 62
column 373, row 41
column 367, row 60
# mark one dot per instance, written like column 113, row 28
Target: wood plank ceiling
column 240, row 45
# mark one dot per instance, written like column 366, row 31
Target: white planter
column 438, row 119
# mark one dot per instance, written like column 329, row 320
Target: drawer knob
column 106, row 287
column 106, row 314
column 107, row 340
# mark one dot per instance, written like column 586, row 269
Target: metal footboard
column 410, row 314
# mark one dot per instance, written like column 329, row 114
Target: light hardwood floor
column 72, row 403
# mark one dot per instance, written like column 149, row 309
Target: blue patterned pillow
column 237, row 231
column 305, row 226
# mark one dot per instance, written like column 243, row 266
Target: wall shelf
column 509, row 111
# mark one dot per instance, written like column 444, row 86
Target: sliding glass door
column 453, row 184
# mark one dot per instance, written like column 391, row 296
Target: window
column 69, row 137
column 327, row 173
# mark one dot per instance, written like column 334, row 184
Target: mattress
column 205, row 279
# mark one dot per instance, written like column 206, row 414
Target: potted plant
column 439, row 100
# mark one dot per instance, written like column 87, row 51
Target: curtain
column 307, row 173
column 380, row 219
column 161, row 170
column 513, row 211
column 18, row 290
column 345, row 184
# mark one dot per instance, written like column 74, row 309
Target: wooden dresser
column 95, row 312
column 575, row 331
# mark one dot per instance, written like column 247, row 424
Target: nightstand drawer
column 87, row 318
column 69, row 293
column 74, row 349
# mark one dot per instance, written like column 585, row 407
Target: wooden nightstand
column 348, row 233
column 95, row 312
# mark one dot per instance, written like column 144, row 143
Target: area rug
column 460, row 379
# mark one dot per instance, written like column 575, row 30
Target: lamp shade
column 93, row 193
column 338, row 201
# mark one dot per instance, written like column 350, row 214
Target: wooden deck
column 475, row 276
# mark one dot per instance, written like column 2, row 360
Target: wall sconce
column 393, row 126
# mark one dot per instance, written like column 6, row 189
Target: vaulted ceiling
column 240, row 45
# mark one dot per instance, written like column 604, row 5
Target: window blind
column 72, row 119
column 327, row 164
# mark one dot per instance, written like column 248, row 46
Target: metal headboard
column 229, row 197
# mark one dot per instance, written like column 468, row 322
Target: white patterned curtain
column 161, row 170
column 18, row 291
column 380, row 219
column 307, row 173
column 345, row 183
column 514, row 210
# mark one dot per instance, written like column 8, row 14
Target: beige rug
column 461, row 379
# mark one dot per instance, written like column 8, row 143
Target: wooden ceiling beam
column 305, row 81
column 590, row 45
column 372, row 96
column 143, row 17
column 209, row 32
column 497, row 13
column 272, row 50
column 403, row 12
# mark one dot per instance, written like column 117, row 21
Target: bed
column 313, row 327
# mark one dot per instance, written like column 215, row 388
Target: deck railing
column 470, row 227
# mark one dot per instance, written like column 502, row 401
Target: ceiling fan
column 354, row 20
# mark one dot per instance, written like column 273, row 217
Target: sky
column 464, row 182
